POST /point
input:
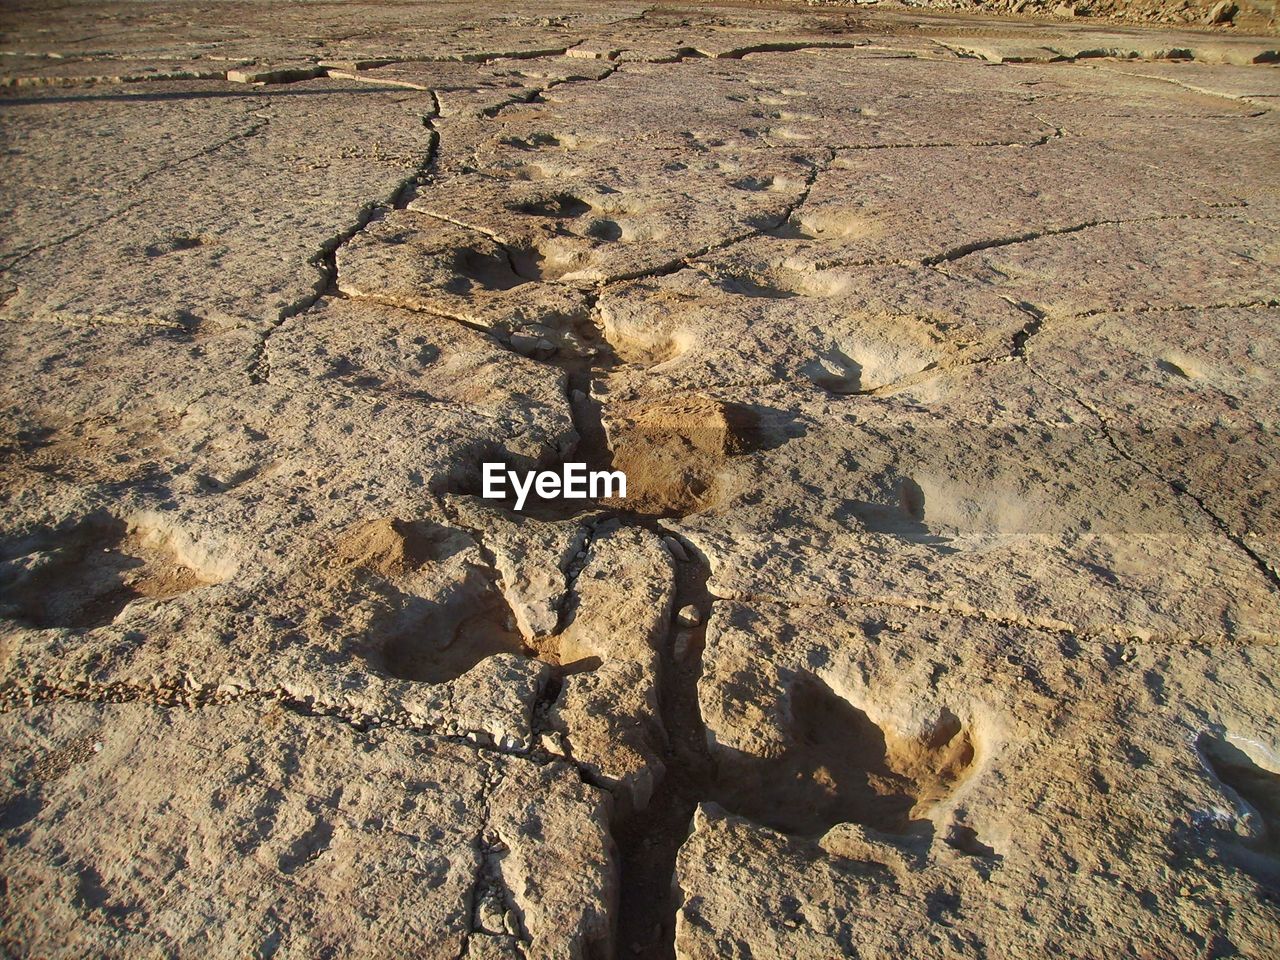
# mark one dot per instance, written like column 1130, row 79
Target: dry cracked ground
column 940, row 618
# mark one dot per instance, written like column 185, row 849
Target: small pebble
column 680, row 649
column 523, row 344
column 676, row 549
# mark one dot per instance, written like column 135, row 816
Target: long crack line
column 1176, row 486
column 325, row 260
column 13, row 259
column 187, row 693
column 977, row 246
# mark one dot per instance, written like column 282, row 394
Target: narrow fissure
column 647, row 840
column 650, row 839
column 326, row 259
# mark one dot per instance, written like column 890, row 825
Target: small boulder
column 1224, row 11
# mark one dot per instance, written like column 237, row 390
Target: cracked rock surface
column 939, row 619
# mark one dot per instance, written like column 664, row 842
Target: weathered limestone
column 989, row 787
column 532, row 558
column 1214, row 372
column 939, row 619
column 173, row 231
column 431, row 265
column 258, row 497
column 245, row 828
column 608, row 707
column 939, row 497
column 730, row 322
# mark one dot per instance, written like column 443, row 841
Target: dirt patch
column 394, row 547
column 674, row 451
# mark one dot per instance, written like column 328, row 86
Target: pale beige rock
column 612, row 729
column 734, row 323
column 1047, row 753
column 237, row 458
column 17, row 70
column 688, row 616
column 575, row 212
column 871, row 207
column 608, row 708
column 944, row 390
column 358, row 33
column 1211, row 50
column 1093, row 43
column 1180, row 263
column 1238, row 83
column 1191, row 396
column 171, row 230
column 428, row 264
column 276, row 73
column 624, row 599
column 254, row 817
column 533, row 559
column 471, row 90
column 941, row 497
column 558, row 864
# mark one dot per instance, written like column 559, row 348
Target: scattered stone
column 676, row 549
column 1224, row 11
column 276, row 74
column 524, row 344
column 680, row 647
column 491, row 915
column 511, row 923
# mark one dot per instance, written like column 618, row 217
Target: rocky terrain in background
column 1251, row 15
column 941, row 354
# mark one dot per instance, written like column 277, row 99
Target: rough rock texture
column 239, row 831
column 196, row 195
column 981, row 753
column 1259, row 15
column 608, row 708
column 940, row 616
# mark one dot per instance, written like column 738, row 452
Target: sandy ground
column 941, row 356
